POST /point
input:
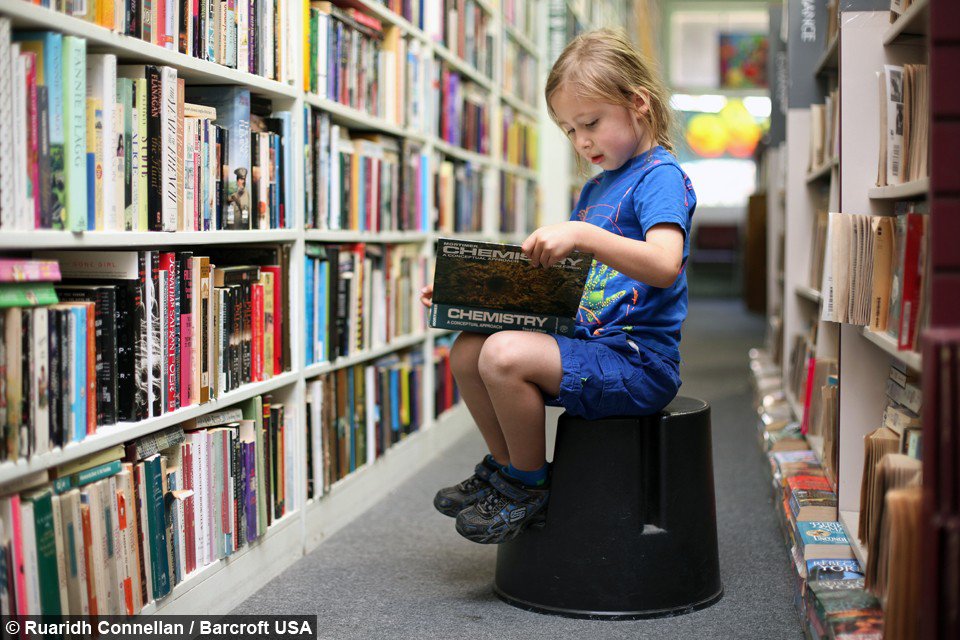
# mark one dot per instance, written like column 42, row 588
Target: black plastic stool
column 631, row 527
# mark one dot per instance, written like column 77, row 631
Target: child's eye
column 569, row 132
column 591, row 125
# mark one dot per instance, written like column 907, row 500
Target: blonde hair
column 604, row 66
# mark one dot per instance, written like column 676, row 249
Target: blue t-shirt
column 649, row 189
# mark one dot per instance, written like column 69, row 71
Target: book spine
column 186, row 368
column 256, row 350
column 155, row 149
column 169, row 156
column 6, row 140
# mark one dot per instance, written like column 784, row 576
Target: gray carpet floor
column 401, row 571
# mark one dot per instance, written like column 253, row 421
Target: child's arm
column 655, row 261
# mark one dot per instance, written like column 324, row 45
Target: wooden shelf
column 110, row 435
column 25, row 15
column 402, row 342
column 822, row 172
column 830, row 59
column 48, row 239
column 910, row 358
column 809, row 293
column 911, row 26
column 915, row 189
column 851, row 523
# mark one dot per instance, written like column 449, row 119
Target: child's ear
column 641, row 102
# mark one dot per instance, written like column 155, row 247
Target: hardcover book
column 487, row 287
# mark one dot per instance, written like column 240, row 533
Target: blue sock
column 535, row 478
column 491, row 462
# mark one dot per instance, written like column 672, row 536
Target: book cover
column 233, row 113
column 487, row 287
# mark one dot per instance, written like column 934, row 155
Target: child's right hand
column 426, row 296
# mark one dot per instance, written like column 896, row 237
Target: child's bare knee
column 501, row 356
column 464, row 355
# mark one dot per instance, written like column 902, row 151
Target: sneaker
column 503, row 513
column 452, row 500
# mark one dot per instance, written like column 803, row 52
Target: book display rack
column 859, row 343
column 371, row 133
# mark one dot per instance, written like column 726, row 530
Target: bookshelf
column 847, row 63
column 222, row 585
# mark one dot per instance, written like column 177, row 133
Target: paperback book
column 487, row 287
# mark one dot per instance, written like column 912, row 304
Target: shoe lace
column 472, row 484
column 492, row 502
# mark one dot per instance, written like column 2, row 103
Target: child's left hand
column 550, row 244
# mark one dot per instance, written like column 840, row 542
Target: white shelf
column 199, row 577
column 119, row 433
column 364, row 356
column 383, row 237
column 851, row 523
column 912, row 359
column 808, row 293
column 352, row 495
column 822, row 172
column 816, row 445
column 132, row 50
column 913, row 22
column 523, row 172
column 519, row 105
column 517, row 36
column 48, row 239
column 463, row 154
column 914, row 189
column 354, row 118
column 795, row 405
column 830, row 59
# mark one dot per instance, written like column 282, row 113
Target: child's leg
column 464, row 357
column 517, row 368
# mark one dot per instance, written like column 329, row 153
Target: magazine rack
column 631, row 529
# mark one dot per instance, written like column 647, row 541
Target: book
column 822, row 540
column 488, row 287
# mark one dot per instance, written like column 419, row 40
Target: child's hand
column 550, row 244
column 426, row 296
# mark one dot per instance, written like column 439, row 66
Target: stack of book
column 362, row 181
column 141, row 333
column 874, row 272
column 463, row 110
column 357, row 412
column 459, row 200
column 39, row 405
column 359, row 297
column 904, row 124
column 824, row 132
column 519, row 139
column 519, row 204
column 519, row 73
column 92, row 145
column 171, row 503
column 831, row 597
column 248, row 35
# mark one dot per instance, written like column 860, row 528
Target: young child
column 624, row 357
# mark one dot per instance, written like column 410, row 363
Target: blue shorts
column 613, row 376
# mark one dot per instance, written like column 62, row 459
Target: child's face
column 604, row 134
